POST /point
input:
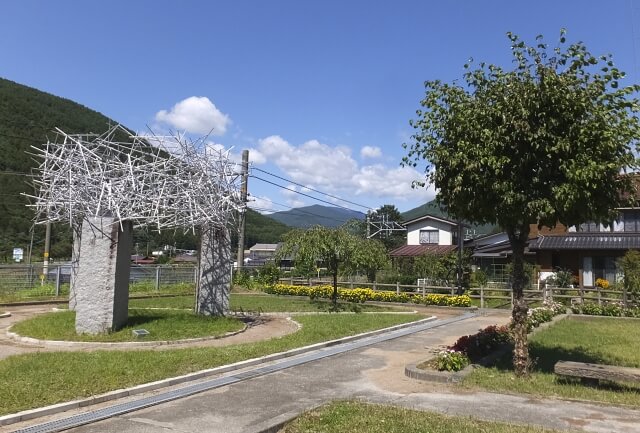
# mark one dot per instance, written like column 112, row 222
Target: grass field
column 597, row 340
column 161, row 324
column 356, row 417
column 39, row 379
column 260, row 303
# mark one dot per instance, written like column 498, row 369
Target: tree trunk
column 518, row 239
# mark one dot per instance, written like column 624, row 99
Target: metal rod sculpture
column 168, row 182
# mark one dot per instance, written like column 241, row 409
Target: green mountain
column 261, row 229
column 308, row 216
column 27, row 118
column 432, row 208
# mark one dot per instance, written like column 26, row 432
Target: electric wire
column 298, row 212
column 301, row 193
column 311, row 189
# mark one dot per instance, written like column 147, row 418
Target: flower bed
column 472, row 348
column 360, row 295
column 615, row 309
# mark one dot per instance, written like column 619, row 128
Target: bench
column 594, row 372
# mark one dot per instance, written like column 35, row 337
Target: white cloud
column 381, row 181
column 332, row 169
column 370, row 152
column 312, row 163
column 256, row 157
column 196, row 115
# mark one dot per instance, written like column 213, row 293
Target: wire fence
column 30, row 281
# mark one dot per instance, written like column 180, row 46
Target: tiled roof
column 587, row 241
column 418, row 250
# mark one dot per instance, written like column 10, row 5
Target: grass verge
column 262, row 303
column 596, row 340
column 352, row 417
column 39, row 379
column 161, row 324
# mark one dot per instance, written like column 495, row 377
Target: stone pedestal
column 214, row 283
column 102, row 282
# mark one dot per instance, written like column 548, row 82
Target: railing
column 27, row 281
column 495, row 296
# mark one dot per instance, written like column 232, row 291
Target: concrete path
column 375, row 374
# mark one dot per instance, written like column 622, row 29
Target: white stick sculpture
column 164, row 182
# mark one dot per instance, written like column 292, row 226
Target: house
column 259, row 254
column 589, row 251
column 429, row 234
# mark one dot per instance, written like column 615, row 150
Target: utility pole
column 45, row 265
column 243, row 195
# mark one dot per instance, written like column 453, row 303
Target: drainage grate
column 122, row 408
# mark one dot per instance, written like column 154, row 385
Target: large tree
column 547, row 141
column 334, row 249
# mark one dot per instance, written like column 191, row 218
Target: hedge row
column 614, row 309
column 360, row 295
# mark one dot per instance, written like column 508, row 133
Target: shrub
column 479, row 345
column 450, row 360
column 269, row 274
column 615, row 309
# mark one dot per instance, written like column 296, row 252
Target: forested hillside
column 27, row 118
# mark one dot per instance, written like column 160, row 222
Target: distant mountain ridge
column 309, row 216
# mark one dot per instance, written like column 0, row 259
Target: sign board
column 18, row 254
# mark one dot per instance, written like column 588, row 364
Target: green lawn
column 161, row 324
column 356, row 417
column 39, row 379
column 260, row 303
column 598, row 340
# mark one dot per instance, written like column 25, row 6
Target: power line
column 301, row 193
column 311, row 189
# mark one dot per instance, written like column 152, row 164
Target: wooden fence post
column 397, row 287
column 481, row 297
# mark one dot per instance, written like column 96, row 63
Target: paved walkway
column 374, row 373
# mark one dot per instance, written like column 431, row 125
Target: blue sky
column 321, row 92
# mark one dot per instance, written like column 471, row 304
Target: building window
column 429, row 237
column 598, row 267
column 631, row 220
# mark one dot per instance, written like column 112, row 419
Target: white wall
column 445, row 236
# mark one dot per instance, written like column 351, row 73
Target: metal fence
column 25, row 281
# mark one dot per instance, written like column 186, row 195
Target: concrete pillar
column 214, row 284
column 102, row 282
column 76, row 229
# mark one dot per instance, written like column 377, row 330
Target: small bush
column 450, row 360
column 479, row 345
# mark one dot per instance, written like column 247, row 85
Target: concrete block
column 102, row 281
column 214, row 283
